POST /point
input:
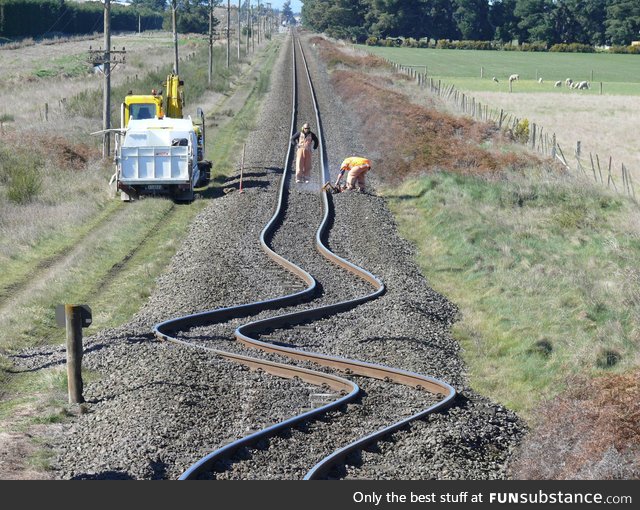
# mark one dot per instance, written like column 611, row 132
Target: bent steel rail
column 243, row 333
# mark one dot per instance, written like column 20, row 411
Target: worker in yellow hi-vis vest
column 357, row 168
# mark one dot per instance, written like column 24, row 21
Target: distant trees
column 623, row 21
column 287, row 13
column 591, row 22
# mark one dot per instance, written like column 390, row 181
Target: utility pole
column 174, row 8
column 239, row 31
column 106, row 105
column 228, row 32
column 269, row 15
column 248, row 26
column 210, row 41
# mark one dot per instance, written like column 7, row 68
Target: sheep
column 495, row 79
column 514, row 77
column 568, row 82
column 539, row 80
column 558, row 83
column 583, row 85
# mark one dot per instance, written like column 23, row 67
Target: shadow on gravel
column 61, row 353
column 105, row 475
column 158, row 470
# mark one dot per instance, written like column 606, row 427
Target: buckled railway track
column 249, row 334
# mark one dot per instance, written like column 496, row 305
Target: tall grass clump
column 21, row 175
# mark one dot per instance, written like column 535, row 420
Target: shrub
column 443, row 44
column 521, row 132
column 534, row 46
column 625, row 49
column 371, row 41
column 24, row 180
column 572, row 48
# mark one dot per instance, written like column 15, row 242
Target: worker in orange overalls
column 357, row 168
column 303, row 140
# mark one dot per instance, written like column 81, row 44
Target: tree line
column 38, row 18
column 589, row 22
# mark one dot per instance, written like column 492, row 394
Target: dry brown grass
column 411, row 137
column 423, row 137
column 590, row 432
column 55, row 149
column 605, row 125
column 334, row 56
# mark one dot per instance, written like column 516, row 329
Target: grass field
column 619, row 73
column 603, row 124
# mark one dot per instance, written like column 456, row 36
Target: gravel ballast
column 157, row 407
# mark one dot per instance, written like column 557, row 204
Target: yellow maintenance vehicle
column 157, row 150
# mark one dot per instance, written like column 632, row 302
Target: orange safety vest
column 353, row 162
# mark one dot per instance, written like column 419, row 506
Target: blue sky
column 296, row 5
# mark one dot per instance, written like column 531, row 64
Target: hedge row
column 409, row 42
column 36, row 18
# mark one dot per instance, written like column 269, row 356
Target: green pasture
column 620, row 74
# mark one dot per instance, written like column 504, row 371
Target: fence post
column 46, row 112
column 533, row 135
column 610, row 177
column 578, row 149
column 553, row 147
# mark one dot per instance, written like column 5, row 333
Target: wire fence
column 533, row 135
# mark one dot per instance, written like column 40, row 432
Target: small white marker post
column 242, row 168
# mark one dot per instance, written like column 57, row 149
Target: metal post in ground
column 242, row 168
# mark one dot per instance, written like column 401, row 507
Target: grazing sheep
column 514, row 77
column 559, row 83
column 583, row 85
column 539, row 80
column 569, row 82
column 495, row 79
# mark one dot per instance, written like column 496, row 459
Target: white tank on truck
column 159, row 156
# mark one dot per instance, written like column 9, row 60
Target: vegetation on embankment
column 100, row 249
column 543, row 266
column 545, row 272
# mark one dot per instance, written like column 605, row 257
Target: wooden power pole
column 106, row 68
column 210, row 41
column 228, row 33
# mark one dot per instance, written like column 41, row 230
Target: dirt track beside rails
column 158, row 408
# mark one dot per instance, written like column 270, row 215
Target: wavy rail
column 348, row 389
